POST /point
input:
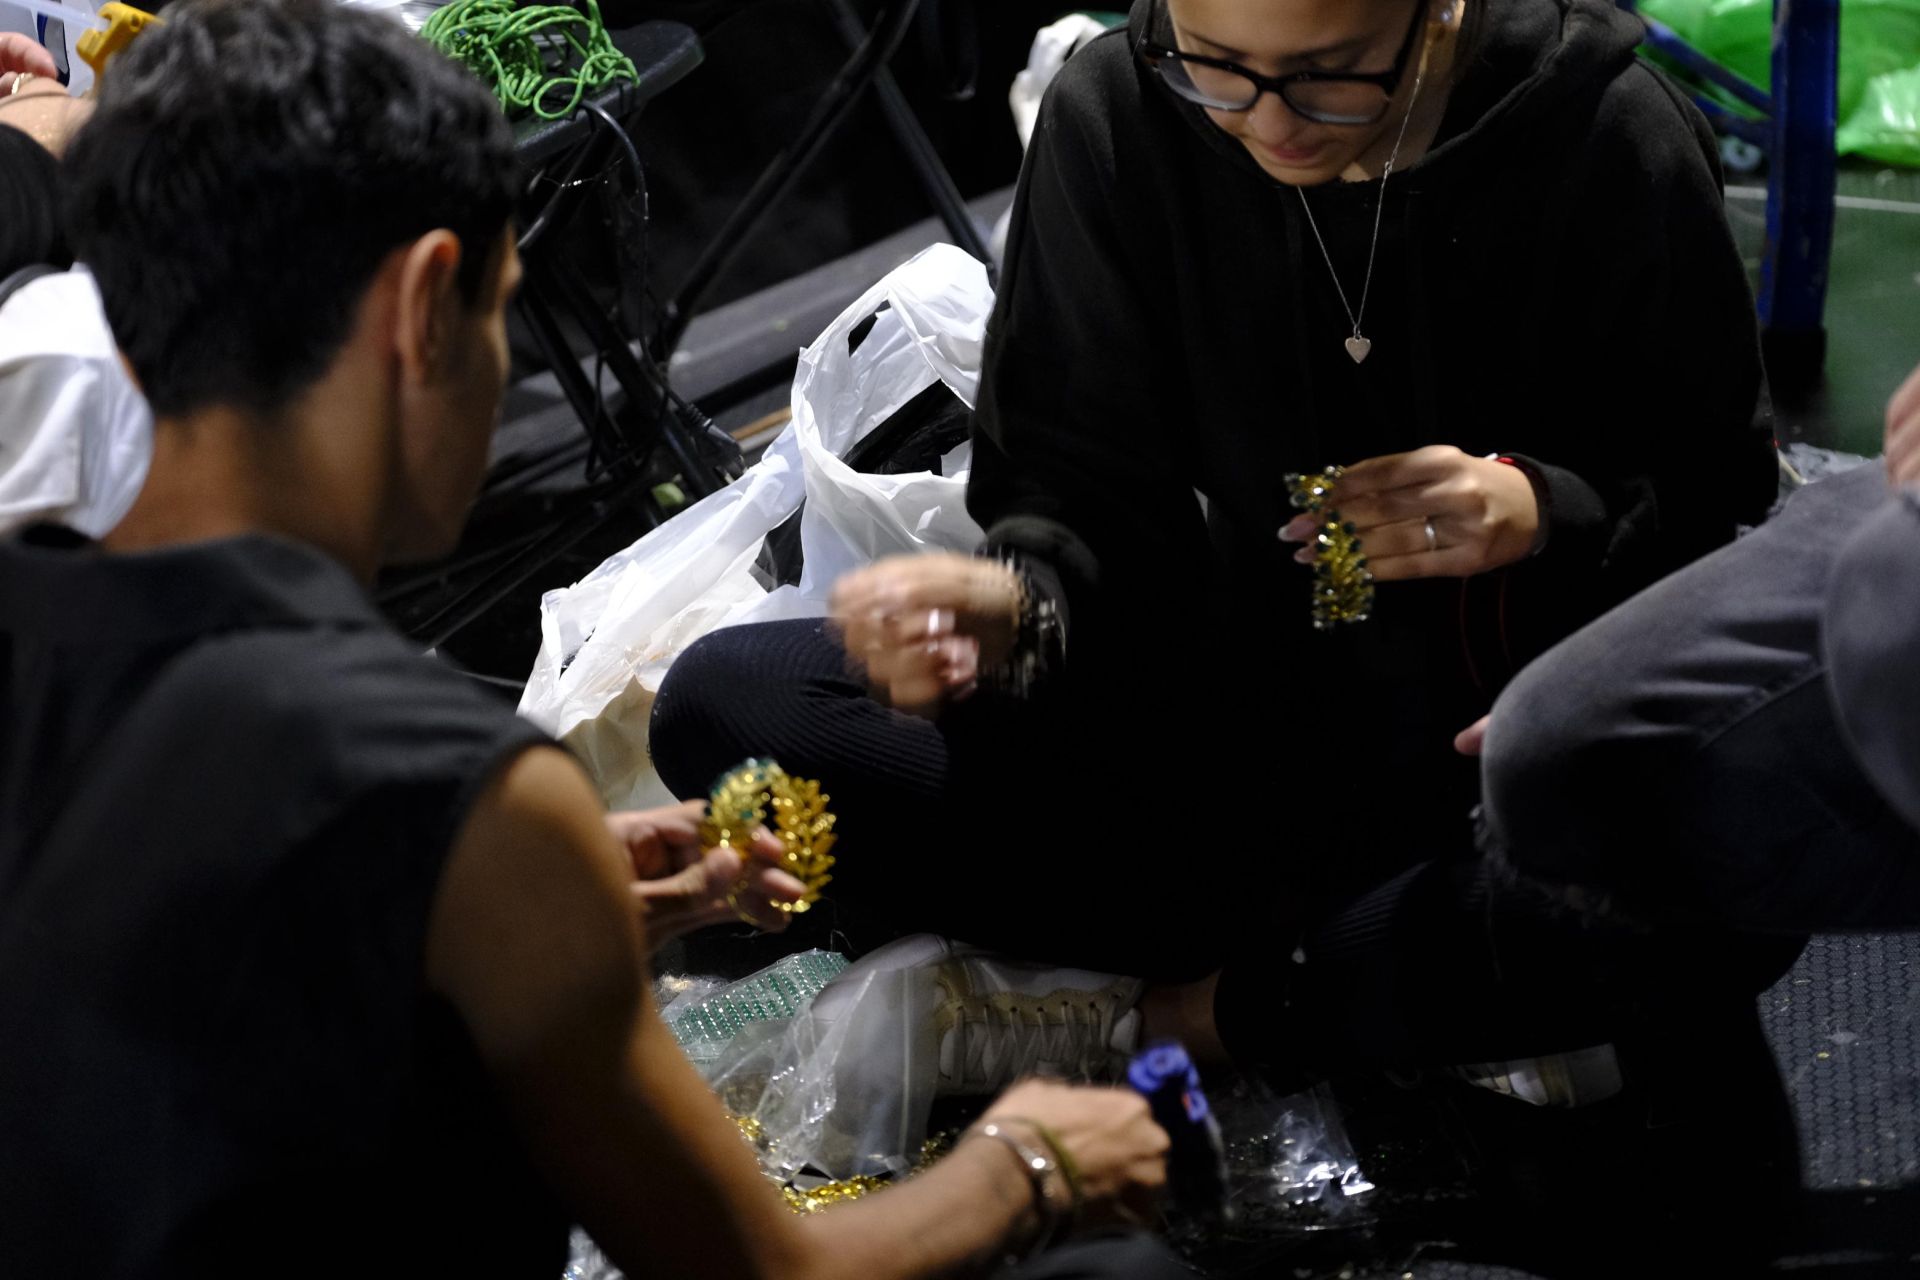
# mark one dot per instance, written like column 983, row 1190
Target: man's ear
column 425, row 297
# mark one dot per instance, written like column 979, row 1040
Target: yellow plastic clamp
column 124, row 22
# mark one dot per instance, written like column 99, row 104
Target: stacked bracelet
column 1039, row 643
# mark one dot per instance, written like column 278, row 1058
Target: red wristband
column 1542, row 497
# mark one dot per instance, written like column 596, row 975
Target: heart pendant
column 1358, row 347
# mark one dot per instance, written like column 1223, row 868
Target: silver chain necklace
column 1359, row 345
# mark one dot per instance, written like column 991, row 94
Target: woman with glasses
column 1472, row 252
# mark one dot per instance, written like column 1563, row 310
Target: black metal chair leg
column 475, row 601
column 921, row 153
column 589, row 405
column 854, row 79
column 646, row 416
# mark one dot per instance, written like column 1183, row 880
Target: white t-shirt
column 75, row 433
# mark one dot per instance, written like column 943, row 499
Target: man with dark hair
column 269, row 215
column 319, row 962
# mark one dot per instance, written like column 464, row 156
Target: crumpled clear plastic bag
column 586, row 1262
column 844, row 1088
column 841, row 1087
column 674, row 994
column 1288, row 1153
column 1291, row 1176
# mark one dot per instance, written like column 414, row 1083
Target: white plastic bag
column 607, row 641
column 75, row 433
column 1052, row 46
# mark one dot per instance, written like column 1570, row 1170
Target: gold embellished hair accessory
column 739, row 804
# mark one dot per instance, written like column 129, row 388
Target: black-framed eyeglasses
column 1325, row 97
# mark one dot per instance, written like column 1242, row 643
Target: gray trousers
column 1682, row 759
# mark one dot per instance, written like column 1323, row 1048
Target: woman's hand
column 680, row 886
column 1483, row 514
column 1903, row 433
column 923, row 626
column 22, row 55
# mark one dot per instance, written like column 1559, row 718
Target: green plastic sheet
column 1879, row 63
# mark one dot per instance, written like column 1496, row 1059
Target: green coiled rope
column 532, row 55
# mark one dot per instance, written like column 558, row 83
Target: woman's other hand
column 1903, row 433
column 1434, row 513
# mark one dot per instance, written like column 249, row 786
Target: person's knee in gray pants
column 1681, row 758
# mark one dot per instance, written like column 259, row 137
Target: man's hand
column 1483, row 514
column 680, row 886
column 1119, row 1152
column 1903, row 433
column 22, row 55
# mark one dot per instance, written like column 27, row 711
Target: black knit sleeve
column 1661, row 459
column 1072, row 472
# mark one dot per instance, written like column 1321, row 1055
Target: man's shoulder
column 359, row 701
column 1095, row 100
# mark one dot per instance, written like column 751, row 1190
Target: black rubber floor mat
column 1844, row 1026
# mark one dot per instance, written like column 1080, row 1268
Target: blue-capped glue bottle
column 1164, row 1074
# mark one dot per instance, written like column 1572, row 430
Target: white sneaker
column 993, row 1019
column 1576, row 1079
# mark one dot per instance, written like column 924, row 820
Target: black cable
column 635, row 288
column 596, row 464
column 639, row 172
column 631, row 281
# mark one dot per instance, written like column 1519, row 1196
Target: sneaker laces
column 1003, row 1036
